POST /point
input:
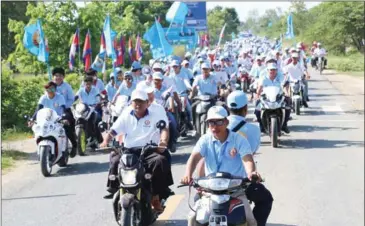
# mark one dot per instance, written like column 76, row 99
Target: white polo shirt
column 169, row 83
column 137, row 133
column 295, row 72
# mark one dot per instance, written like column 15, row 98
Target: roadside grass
column 9, row 158
column 15, row 133
column 350, row 64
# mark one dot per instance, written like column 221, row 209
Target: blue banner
column 197, row 15
column 186, row 36
column 158, row 43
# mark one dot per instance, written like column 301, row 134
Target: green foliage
column 9, row 156
column 74, row 80
column 19, row 98
column 60, row 20
column 217, row 17
column 345, row 63
column 338, row 25
column 10, row 10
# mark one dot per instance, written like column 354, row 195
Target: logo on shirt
column 147, row 123
column 56, row 105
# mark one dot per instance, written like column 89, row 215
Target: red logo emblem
column 147, row 122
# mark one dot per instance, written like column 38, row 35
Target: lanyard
column 218, row 157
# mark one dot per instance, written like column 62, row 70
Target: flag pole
column 49, row 71
column 78, row 31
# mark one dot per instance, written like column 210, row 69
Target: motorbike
column 204, row 102
column 296, row 94
column 82, row 114
column 52, row 142
column 182, row 119
column 245, row 80
column 217, row 206
column 272, row 112
column 131, row 203
column 320, row 64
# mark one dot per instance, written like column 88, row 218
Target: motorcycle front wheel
column 46, row 164
column 130, row 217
column 81, row 141
column 274, row 132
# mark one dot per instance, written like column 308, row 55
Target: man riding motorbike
column 223, row 151
column 137, row 124
column 272, row 78
column 90, row 96
column 55, row 101
column 295, row 72
column 66, row 91
column 161, row 92
column 320, row 52
column 126, row 87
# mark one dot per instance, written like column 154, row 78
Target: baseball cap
column 174, row 63
column 136, row 65
column 139, row 95
column 128, row 73
column 237, row 99
column 157, row 75
column 216, row 112
column 111, row 75
column 205, row 65
column 185, row 62
column 156, row 66
column 145, row 87
column 216, row 63
column 146, row 70
column 271, row 66
column 117, row 70
column 295, row 55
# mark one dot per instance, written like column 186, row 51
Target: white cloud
column 243, row 8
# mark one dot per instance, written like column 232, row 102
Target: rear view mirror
column 161, row 124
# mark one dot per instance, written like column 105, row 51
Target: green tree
column 217, row 17
column 15, row 11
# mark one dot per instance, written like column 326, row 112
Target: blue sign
column 197, row 15
column 186, row 36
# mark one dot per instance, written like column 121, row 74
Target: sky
column 243, row 8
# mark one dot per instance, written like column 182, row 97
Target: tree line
column 61, row 19
column 338, row 25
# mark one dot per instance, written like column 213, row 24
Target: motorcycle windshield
column 271, row 92
column 46, row 114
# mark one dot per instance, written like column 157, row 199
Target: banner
column 197, row 15
column 186, row 36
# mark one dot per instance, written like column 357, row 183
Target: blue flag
column 159, row 46
column 290, row 29
column 35, row 42
column 109, row 36
column 177, row 12
column 269, row 24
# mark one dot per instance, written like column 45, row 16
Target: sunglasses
column 128, row 78
column 51, row 89
column 216, row 123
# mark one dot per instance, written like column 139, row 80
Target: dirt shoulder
column 351, row 86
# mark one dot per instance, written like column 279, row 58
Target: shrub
column 74, row 80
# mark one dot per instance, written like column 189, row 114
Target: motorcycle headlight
column 129, row 177
column 36, row 128
column 215, row 184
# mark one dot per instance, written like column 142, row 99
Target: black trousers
column 92, row 128
column 287, row 100
column 262, row 198
column 314, row 61
column 70, row 129
column 158, row 165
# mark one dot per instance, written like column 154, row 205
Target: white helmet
column 187, row 54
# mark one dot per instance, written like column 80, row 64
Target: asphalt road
column 316, row 176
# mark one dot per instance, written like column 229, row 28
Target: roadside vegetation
column 9, row 158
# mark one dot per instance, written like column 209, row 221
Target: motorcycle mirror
column 161, row 124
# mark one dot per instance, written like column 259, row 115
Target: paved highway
column 316, row 176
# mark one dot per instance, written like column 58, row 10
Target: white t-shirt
column 295, row 72
column 137, row 133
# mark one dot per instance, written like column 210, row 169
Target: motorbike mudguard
column 47, row 143
column 127, row 200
